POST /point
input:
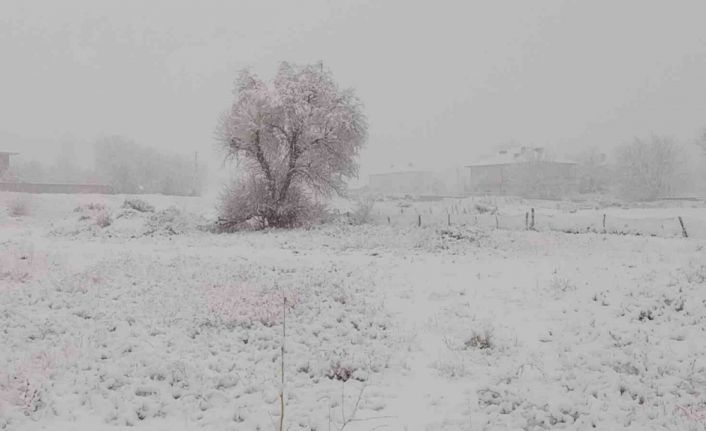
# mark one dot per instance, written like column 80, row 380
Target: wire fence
column 538, row 220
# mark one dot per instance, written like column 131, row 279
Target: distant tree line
column 646, row 169
column 132, row 168
column 121, row 163
column 63, row 170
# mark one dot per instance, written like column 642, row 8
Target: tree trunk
column 265, row 166
column 291, row 166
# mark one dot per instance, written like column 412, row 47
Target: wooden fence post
column 603, row 222
column 532, row 222
column 497, row 222
column 419, row 220
column 449, row 218
column 526, row 220
column 683, row 229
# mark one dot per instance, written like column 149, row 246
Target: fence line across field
column 664, row 227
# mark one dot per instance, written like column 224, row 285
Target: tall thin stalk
column 284, row 338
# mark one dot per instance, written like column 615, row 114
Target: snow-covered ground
column 112, row 318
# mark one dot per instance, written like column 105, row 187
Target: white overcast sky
column 442, row 81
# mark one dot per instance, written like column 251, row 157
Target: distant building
column 402, row 182
column 5, row 161
column 523, row 171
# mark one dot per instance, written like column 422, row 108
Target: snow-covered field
column 111, row 318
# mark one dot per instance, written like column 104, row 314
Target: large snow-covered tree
column 295, row 138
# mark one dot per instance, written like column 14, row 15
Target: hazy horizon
column 442, row 83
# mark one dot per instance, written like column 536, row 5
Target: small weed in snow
column 103, row 219
column 479, row 340
column 19, row 263
column 695, row 273
column 22, row 387
column 561, row 284
column 18, row 207
column 89, row 207
column 645, row 315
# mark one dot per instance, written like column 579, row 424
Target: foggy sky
column 441, row 81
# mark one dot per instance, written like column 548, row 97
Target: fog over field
column 352, row 215
column 441, row 84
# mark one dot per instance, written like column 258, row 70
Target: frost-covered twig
column 355, row 407
column 284, row 339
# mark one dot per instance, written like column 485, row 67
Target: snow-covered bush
column 246, row 205
column 18, row 206
column 239, row 205
column 103, row 219
column 138, row 205
column 363, row 212
column 171, row 221
column 483, row 209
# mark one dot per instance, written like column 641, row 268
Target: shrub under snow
column 138, row 205
column 18, row 206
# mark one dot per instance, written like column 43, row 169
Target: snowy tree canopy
column 298, row 134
